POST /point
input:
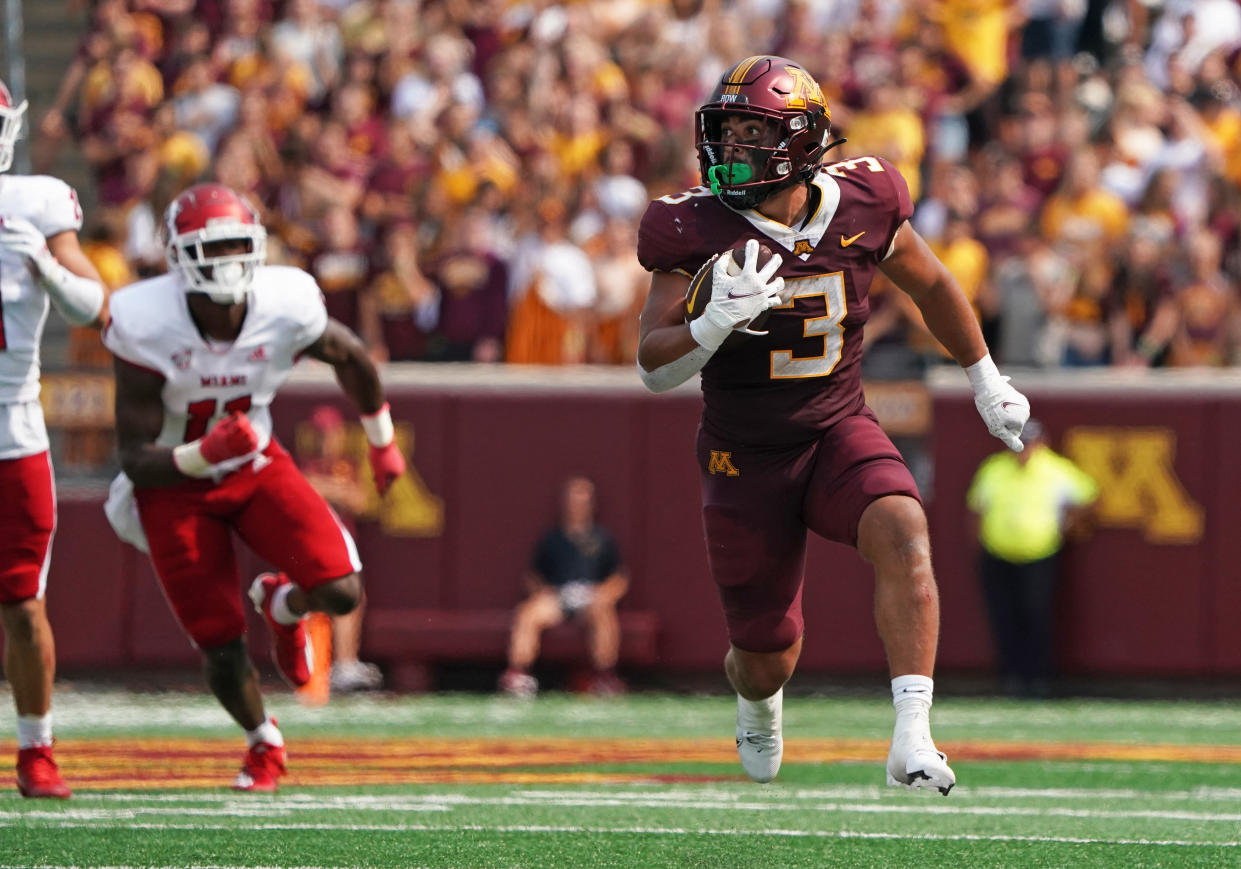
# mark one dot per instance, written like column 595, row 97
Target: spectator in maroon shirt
column 353, row 107
column 341, row 266
column 404, row 298
column 335, row 176
column 1006, row 206
column 396, row 177
column 472, row 283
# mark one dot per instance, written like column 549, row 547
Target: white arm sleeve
column 78, row 299
column 677, row 371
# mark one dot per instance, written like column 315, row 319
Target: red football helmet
column 214, row 242
column 795, row 121
column 11, row 118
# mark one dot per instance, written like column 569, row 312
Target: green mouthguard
column 728, row 173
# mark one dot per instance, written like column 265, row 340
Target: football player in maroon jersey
column 787, row 442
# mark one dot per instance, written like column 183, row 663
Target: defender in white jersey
column 41, row 266
column 200, row 353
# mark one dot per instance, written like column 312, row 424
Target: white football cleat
column 914, row 762
column 760, row 743
column 518, row 683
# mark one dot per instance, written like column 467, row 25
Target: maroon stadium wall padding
column 1152, row 593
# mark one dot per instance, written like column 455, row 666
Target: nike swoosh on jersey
column 845, row 242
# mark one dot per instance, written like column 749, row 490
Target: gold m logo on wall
column 409, row 509
column 721, row 462
column 1137, row 481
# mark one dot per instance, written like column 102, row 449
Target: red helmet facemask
column 200, row 222
column 787, row 104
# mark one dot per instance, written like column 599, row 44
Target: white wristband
column 78, row 299
column 378, row 427
column 707, row 333
column 984, row 376
column 189, row 459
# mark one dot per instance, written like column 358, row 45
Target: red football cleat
column 263, row 765
column 38, row 775
column 290, row 644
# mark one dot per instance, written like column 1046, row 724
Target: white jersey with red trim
column 206, row 380
column 52, row 206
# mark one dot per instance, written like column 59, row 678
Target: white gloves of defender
column 1002, row 408
column 20, row 236
column 737, row 298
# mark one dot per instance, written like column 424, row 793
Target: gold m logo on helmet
column 805, row 90
column 721, row 462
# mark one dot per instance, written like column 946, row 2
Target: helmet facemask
column 207, row 262
column 766, row 165
column 741, row 162
column 11, row 122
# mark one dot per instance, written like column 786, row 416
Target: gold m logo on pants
column 721, row 462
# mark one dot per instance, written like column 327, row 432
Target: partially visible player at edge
column 41, row 263
column 200, row 353
column 787, row 442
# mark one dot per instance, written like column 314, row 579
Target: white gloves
column 20, row 236
column 79, row 299
column 1002, row 408
column 737, row 298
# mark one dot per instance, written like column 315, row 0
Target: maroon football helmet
column 197, row 224
column 794, row 119
column 11, row 118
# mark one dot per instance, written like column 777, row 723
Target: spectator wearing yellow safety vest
column 1029, row 504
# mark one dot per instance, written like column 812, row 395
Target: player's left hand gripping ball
column 387, row 463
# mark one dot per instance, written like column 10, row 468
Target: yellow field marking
column 92, row 764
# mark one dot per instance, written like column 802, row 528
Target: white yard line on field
column 275, row 808
column 675, row 831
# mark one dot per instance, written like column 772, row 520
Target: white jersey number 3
column 784, row 365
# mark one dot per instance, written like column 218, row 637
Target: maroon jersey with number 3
column 805, row 374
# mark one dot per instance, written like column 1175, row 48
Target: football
column 699, row 292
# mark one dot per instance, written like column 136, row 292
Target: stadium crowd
column 464, row 178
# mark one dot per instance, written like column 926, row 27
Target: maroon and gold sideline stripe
column 98, row 764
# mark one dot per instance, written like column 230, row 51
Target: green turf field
column 640, row 781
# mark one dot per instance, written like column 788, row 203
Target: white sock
column 266, row 732
column 912, row 696
column 280, row 606
column 34, row 730
column 761, row 715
